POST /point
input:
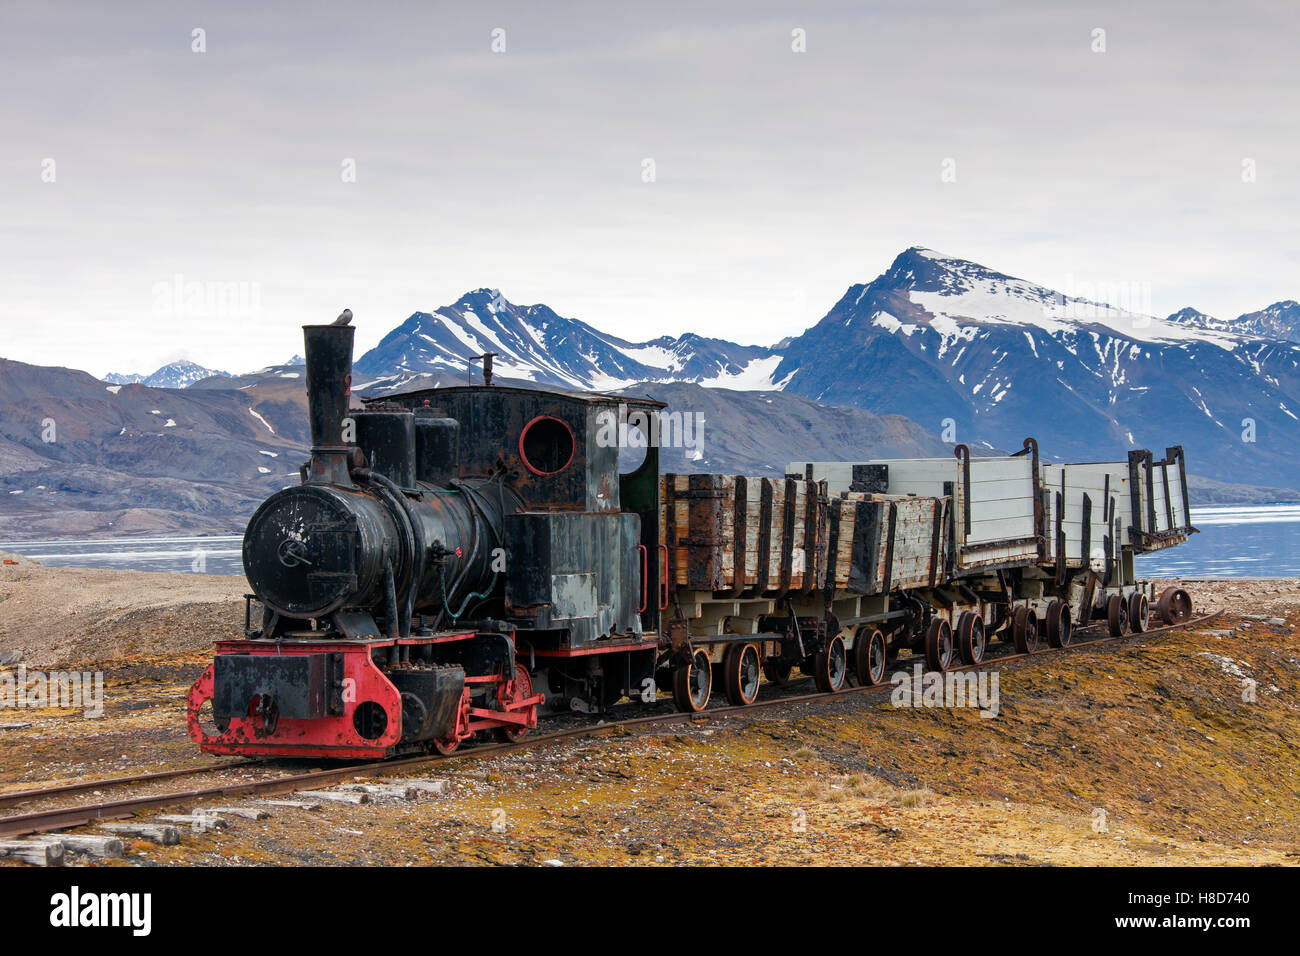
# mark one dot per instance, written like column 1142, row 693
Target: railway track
column 60, row 818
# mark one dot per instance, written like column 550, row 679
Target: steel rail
column 16, row 797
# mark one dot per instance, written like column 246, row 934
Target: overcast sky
column 780, row 177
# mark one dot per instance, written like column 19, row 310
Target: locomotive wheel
column 1174, row 605
column 523, row 689
column 1139, row 612
column 692, row 683
column 1117, row 615
column 777, row 672
column 1060, row 628
column 446, row 746
column 1024, row 630
column 740, row 674
column 938, row 645
column 830, row 664
column 970, row 637
column 869, row 657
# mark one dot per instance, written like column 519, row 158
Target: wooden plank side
column 1051, row 483
column 1158, row 497
column 771, row 504
column 753, row 531
column 978, row 556
column 1000, row 500
column 727, row 532
column 1179, row 498
column 868, row 553
column 846, row 513
column 913, row 540
column 798, row 558
column 682, row 524
column 739, row 512
column 1001, row 529
column 1005, row 468
column 763, row 548
column 1102, row 482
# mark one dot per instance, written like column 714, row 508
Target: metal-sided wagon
column 841, row 566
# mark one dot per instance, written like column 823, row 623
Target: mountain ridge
column 986, row 357
column 537, row 344
column 964, row 350
column 177, row 374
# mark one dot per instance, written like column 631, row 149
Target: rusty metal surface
column 497, row 416
column 580, row 572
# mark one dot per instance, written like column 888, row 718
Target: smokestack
column 328, row 356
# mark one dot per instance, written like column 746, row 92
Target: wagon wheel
column 970, row 637
column 523, row 689
column 1117, row 615
column 740, row 674
column 938, row 644
column 1174, row 605
column 830, row 664
column 1139, row 612
column 777, row 672
column 869, row 657
column 1060, row 628
column 692, row 683
column 1024, row 630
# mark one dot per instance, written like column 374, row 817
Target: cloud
column 780, row 177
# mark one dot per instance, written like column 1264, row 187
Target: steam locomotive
column 469, row 559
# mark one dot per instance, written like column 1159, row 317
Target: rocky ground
column 1175, row 748
column 53, row 615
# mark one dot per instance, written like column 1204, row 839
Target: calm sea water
column 1258, row 541
column 1261, row 541
column 198, row 555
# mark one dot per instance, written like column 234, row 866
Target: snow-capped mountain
column 969, row 353
column 119, row 378
column 950, row 342
column 173, row 375
column 535, row 344
column 960, row 348
column 1196, row 319
column 1279, row 322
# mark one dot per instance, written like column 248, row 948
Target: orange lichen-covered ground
column 1175, row 748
